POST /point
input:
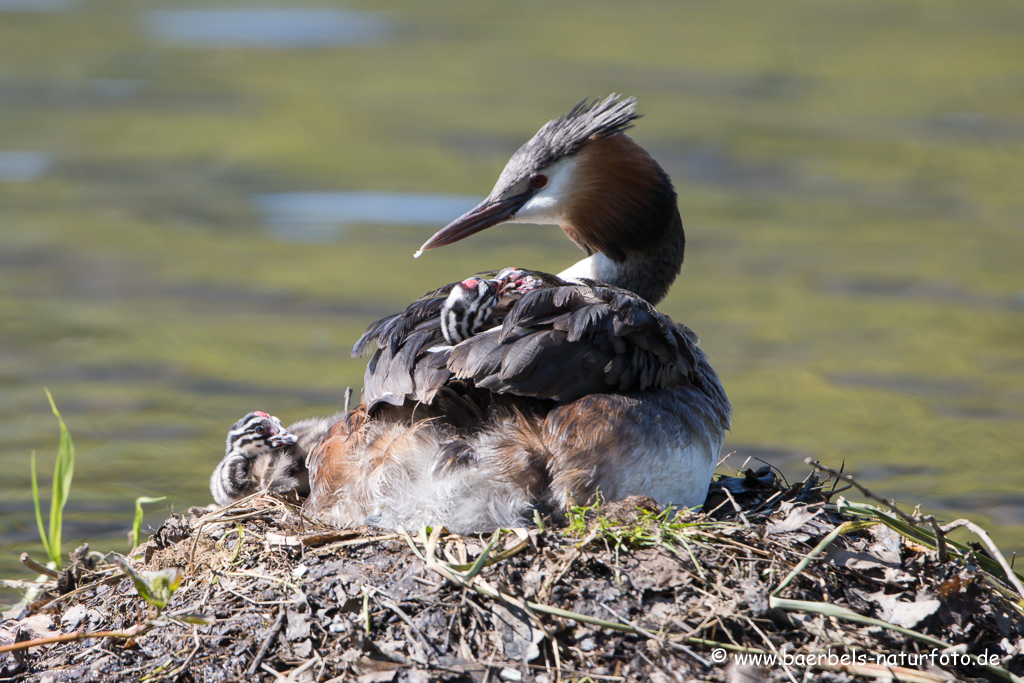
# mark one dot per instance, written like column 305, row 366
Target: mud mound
column 775, row 583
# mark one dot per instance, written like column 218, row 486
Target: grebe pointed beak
column 487, row 213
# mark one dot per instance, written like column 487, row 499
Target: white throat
column 595, row 267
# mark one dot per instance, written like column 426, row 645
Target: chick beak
column 282, row 439
column 484, row 215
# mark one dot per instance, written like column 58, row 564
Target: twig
column 206, row 597
column 261, row 577
column 276, row 674
column 764, row 503
column 293, row 675
column 940, row 537
column 18, row 584
column 736, row 544
column 736, row 507
column 980, row 533
column 267, row 642
column 647, row 634
column 545, row 590
column 134, row 631
column 294, row 601
column 889, row 503
column 331, row 547
column 771, row 646
column 170, row 675
column 82, row 589
column 38, row 568
column 408, row 622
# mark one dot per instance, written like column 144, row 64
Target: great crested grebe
column 510, row 390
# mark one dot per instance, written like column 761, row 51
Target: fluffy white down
column 409, row 493
column 671, row 467
column 219, row 480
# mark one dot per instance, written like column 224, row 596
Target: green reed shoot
column 63, row 471
column 137, row 522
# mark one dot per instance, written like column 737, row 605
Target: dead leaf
column 796, row 518
column 655, row 570
column 903, row 613
column 519, row 636
column 72, row 617
column 298, row 626
column 870, row 566
column 886, row 545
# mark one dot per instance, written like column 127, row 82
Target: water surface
column 37, row 5
column 187, row 235
column 267, row 27
column 323, row 216
column 23, row 167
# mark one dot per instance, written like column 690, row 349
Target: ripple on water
column 23, row 167
column 267, row 27
column 318, row 217
column 750, row 456
column 931, row 292
column 913, row 385
column 1003, row 509
column 36, row 5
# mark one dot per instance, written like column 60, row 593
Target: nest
column 774, row 583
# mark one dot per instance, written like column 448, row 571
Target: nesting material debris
column 773, row 582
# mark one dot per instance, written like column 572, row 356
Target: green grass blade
column 844, row 528
column 141, row 585
column 39, row 513
column 63, row 471
column 137, row 522
column 479, row 564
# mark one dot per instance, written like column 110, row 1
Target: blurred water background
column 203, row 204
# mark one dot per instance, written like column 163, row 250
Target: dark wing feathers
column 522, row 358
column 585, row 318
column 565, row 342
column 559, row 342
column 399, row 325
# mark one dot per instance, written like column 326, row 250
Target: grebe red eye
column 538, row 181
column 261, row 429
